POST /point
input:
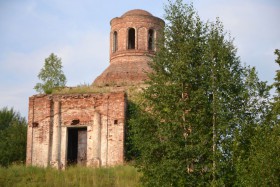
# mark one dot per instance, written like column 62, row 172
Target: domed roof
column 137, row 12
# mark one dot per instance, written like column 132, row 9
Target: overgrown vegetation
column 131, row 90
column 82, row 89
column 261, row 166
column 20, row 175
column 205, row 119
column 13, row 130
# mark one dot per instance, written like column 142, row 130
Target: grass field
column 20, row 175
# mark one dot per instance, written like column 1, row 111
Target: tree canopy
column 13, row 131
column 201, row 108
column 51, row 75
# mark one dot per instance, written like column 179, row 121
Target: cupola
column 133, row 39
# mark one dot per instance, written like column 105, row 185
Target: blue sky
column 78, row 32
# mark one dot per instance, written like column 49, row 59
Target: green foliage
column 252, row 134
column 51, row 75
column 276, row 107
column 261, row 167
column 19, row 175
column 81, row 89
column 261, row 164
column 13, row 130
column 197, row 116
column 130, row 152
column 8, row 117
column 277, row 77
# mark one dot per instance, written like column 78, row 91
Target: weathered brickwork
column 88, row 129
column 128, row 66
column 50, row 116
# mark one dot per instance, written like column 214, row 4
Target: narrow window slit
column 115, row 41
column 131, row 38
column 151, row 40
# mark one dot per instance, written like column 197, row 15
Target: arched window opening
column 151, row 42
column 131, row 38
column 115, row 41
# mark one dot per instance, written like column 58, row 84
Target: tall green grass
column 19, row 175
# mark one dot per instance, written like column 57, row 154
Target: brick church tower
column 132, row 44
column 88, row 128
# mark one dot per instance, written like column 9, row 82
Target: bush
column 13, row 132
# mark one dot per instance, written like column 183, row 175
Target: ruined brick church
column 88, row 129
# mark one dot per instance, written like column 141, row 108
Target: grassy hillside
column 19, row 175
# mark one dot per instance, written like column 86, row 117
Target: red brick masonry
column 128, row 66
column 51, row 115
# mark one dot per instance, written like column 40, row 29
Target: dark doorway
column 77, row 146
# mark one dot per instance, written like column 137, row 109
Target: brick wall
column 128, row 66
column 103, row 115
column 51, row 115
